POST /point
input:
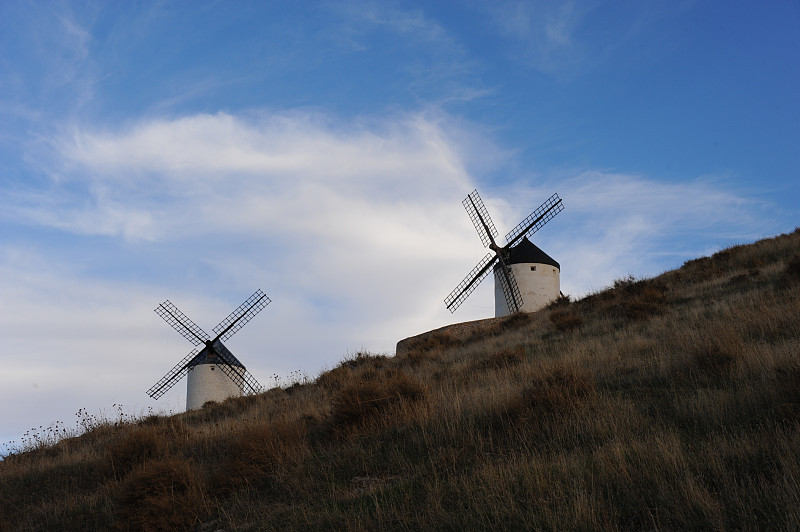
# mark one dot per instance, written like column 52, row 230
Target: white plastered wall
column 539, row 284
column 207, row 382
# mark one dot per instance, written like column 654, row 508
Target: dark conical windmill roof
column 527, row 252
column 216, row 354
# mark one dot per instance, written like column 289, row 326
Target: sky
column 320, row 151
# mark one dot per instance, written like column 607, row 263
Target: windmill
column 214, row 373
column 526, row 278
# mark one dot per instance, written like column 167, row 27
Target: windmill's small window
column 533, row 268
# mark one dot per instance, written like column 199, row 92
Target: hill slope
column 668, row 403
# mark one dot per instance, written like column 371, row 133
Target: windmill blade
column 480, row 218
column 239, row 317
column 234, row 369
column 242, row 378
column 470, row 283
column 543, row 214
column 178, row 320
column 172, row 377
column 510, row 288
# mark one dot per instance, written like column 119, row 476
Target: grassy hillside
column 668, row 403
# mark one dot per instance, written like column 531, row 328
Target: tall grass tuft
column 164, row 494
column 552, row 396
column 376, row 395
column 792, row 271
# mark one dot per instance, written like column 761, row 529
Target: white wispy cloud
column 544, row 31
column 297, row 172
column 558, row 39
column 435, row 65
column 70, row 341
column 61, row 52
column 618, row 224
column 363, row 17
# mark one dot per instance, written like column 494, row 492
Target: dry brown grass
column 553, row 396
column 257, row 452
column 566, row 319
column 376, row 395
column 664, row 404
column 162, row 494
column 791, row 274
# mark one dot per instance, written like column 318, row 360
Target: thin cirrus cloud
column 621, row 224
column 544, row 32
column 364, row 197
column 559, row 38
column 269, row 149
column 233, row 172
column 384, row 191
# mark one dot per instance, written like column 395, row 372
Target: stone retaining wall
column 457, row 331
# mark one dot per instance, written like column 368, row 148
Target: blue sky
column 196, row 151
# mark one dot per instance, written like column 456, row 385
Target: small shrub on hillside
column 743, row 279
column 714, row 356
column 791, row 273
column 516, row 320
column 334, row 378
column 343, row 373
column 215, row 411
column 714, row 360
column 702, row 268
column 362, row 402
column 562, row 300
column 787, row 386
column 136, row 447
column 161, row 495
column 152, row 420
column 598, row 301
column 643, row 299
column 624, row 283
column 565, row 319
column 364, row 359
column 257, row 451
column 416, row 356
column 296, row 386
column 510, row 356
column 551, row 397
column 630, row 299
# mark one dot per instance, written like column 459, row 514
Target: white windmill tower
column 537, row 275
column 525, row 278
column 215, row 374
